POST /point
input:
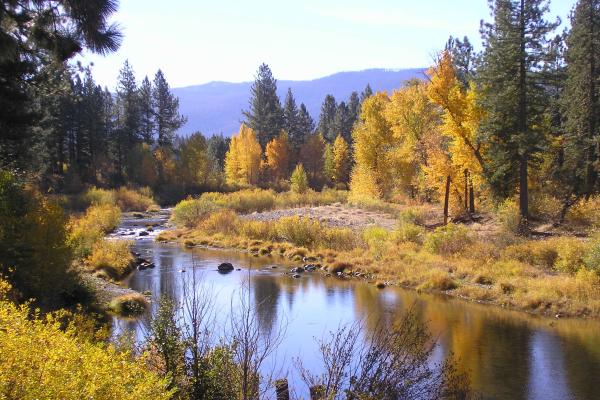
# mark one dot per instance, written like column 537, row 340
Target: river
column 507, row 354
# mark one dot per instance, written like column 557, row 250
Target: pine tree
column 463, row 59
column 581, row 101
column 327, row 118
column 354, row 108
column 146, row 112
column 342, row 122
column 128, row 118
column 291, row 121
column 368, row 92
column 515, row 47
column 166, row 109
column 328, row 164
column 306, row 125
column 265, row 116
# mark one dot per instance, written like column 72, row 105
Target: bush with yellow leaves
column 39, row 360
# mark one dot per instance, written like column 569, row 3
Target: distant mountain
column 216, row 107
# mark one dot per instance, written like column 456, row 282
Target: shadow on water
column 507, row 355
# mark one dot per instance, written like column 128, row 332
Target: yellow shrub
column 376, row 238
column 112, row 256
column 99, row 197
column 438, row 280
column 586, row 213
column 258, row 230
column 300, row 231
column 339, row 239
column 449, row 239
column 84, row 232
column 191, row 212
column 508, row 215
column 534, row 252
column 38, row 360
column 132, row 200
column 224, row 221
column 129, row 305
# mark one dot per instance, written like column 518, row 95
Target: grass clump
column 300, row 231
column 129, row 305
column 111, row 256
column 438, row 280
column 448, row 240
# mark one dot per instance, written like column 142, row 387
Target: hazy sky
column 196, row 42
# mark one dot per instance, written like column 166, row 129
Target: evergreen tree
column 147, row 116
column 354, row 108
column 368, row 92
column 306, row 125
column 265, row 116
column 326, row 119
column 166, row 109
column 127, row 133
column 342, row 122
column 581, row 101
column 463, row 59
column 291, row 121
column 515, row 47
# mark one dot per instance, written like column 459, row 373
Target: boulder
column 297, row 270
column 143, row 233
column 225, row 267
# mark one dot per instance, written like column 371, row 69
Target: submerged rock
column 143, row 233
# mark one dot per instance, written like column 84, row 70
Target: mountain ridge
column 216, row 106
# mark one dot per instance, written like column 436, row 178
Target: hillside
column 217, row 106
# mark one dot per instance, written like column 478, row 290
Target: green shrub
column 134, row 200
column 409, row 232
column 571, row 252
column 35, row 255
column 449, row 239
column 508, row 216
column 191, row 212
column 300, row 231
column 411, row 216
column 99, row 197
column 376, row 238
column 299, row 180
column 592, row 257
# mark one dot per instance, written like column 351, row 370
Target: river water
column 507, row 354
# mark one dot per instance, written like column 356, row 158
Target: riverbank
column 477, row 261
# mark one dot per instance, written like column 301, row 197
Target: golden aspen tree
column 299, row 180
column 277, row 157
column 460, row 122
column 242, row 161
column 373, row 175
column 341, row 160
column 328, row 164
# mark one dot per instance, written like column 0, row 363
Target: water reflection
column 508, row 355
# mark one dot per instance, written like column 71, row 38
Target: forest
column 480, row 180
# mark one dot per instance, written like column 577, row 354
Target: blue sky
column 195, row 42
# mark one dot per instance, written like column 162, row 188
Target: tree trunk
column 471, row 197
column 446, row 199
column 466, row 190
column 523, row 195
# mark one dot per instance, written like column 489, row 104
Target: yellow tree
column 242, row 161
column 277, row 155
column 373, row 174
column 341, row 160
column 464, row 162
column 415, row 123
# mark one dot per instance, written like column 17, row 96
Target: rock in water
column 225, row 267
